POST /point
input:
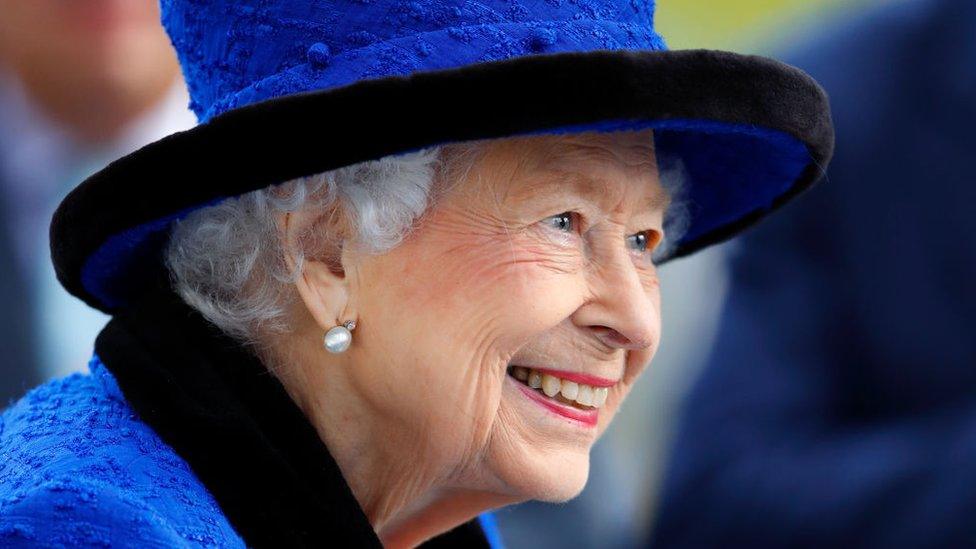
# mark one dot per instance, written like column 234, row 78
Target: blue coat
column 78, row 468
column 178, row 437
column 839, row 406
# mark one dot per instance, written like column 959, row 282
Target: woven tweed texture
column 79, row 469
column 222, row 44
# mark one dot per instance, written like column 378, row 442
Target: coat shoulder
column 78, row 467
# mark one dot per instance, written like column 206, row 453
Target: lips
column 587, row 418
column 563, row 392
column 579, row 378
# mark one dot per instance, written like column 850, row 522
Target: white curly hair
column 227, row 262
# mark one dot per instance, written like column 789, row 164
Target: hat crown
column 235, row 52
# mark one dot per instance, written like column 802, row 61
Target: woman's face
column 537, row 261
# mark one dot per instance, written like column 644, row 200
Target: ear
column 321, row 282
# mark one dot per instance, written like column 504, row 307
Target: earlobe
column 322, row 288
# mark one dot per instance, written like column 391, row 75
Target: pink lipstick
column 585, row 379
column 586, row 417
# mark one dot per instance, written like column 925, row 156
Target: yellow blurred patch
column 741, row 25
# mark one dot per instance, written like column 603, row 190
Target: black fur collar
column 213, row 401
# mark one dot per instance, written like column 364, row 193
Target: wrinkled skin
column 426, row 425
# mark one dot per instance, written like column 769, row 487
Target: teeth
column 550, row 385
column 584, row 395
column 600, row 396
column 535, row 380
column 570, row 390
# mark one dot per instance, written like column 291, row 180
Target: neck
column 408, row 492
column 437, row 514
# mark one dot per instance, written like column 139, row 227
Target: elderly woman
column 403, row 273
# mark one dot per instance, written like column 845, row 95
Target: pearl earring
column 338, row 338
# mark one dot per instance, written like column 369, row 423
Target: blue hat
column 288, row 88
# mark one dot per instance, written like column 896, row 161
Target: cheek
column 440, row 320
column 441, row 315
column 493, row 291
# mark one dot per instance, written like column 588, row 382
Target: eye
column 565, row 222
column 643, row 242
column 637, row 242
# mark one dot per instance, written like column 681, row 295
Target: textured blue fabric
column 238, row 52
column 235, row 53
column 79, row 469
column 839, row 406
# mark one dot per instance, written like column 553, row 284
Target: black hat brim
column 108, row 233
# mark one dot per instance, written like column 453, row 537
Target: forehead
column 610, row 167
column 634, row 150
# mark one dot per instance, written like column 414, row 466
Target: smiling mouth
column 566, row 392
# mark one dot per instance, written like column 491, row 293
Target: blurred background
column 748, row 26
column 815, row 382
column 81, row 84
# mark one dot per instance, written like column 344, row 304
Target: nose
column 613, row 338
column 620, row 312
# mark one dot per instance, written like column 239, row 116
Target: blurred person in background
column 839, row 406
column 81, row 83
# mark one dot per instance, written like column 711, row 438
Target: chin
column 561, row 484
column 563, row 489
column 553, row 477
